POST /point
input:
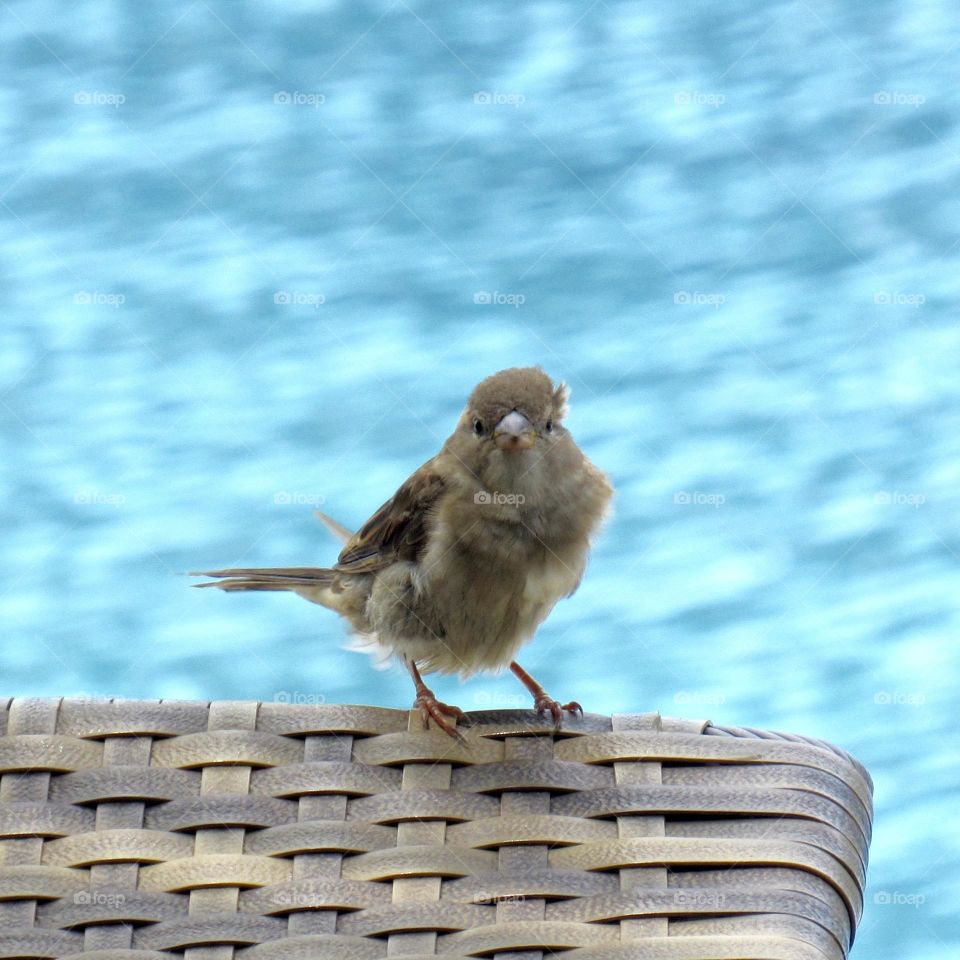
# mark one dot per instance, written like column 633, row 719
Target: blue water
column 255, row 255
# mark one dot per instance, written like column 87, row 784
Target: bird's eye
column 548, row 426
column 478, row 427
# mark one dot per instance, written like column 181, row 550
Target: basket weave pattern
column 149, row 829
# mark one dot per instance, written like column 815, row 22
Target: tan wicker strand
column 633, row 822
column 321, row 837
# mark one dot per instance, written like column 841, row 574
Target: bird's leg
column 542, row 701
column 433, row 709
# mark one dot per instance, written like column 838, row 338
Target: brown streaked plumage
column 456, row 571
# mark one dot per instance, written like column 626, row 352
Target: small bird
column 455, row 572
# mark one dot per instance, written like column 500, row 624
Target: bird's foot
column 433, row 709
column 543, row 704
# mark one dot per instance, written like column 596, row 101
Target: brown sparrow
column 458, row 568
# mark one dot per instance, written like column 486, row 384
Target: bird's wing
column 398, row 530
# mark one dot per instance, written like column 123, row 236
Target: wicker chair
column 146, row 829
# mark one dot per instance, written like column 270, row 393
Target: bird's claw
column 544, row 704
column 433, row 709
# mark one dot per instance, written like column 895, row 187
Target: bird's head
column 511, row 430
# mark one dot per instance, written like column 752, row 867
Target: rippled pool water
column 256, row 255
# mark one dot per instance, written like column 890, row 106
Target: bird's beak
column 514, row 432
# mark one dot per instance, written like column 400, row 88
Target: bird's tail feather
column 298, row 579
column 336, row 529
column 267, row 578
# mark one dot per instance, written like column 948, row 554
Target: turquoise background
column 255, row 255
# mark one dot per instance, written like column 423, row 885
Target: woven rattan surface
column 146, row 829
